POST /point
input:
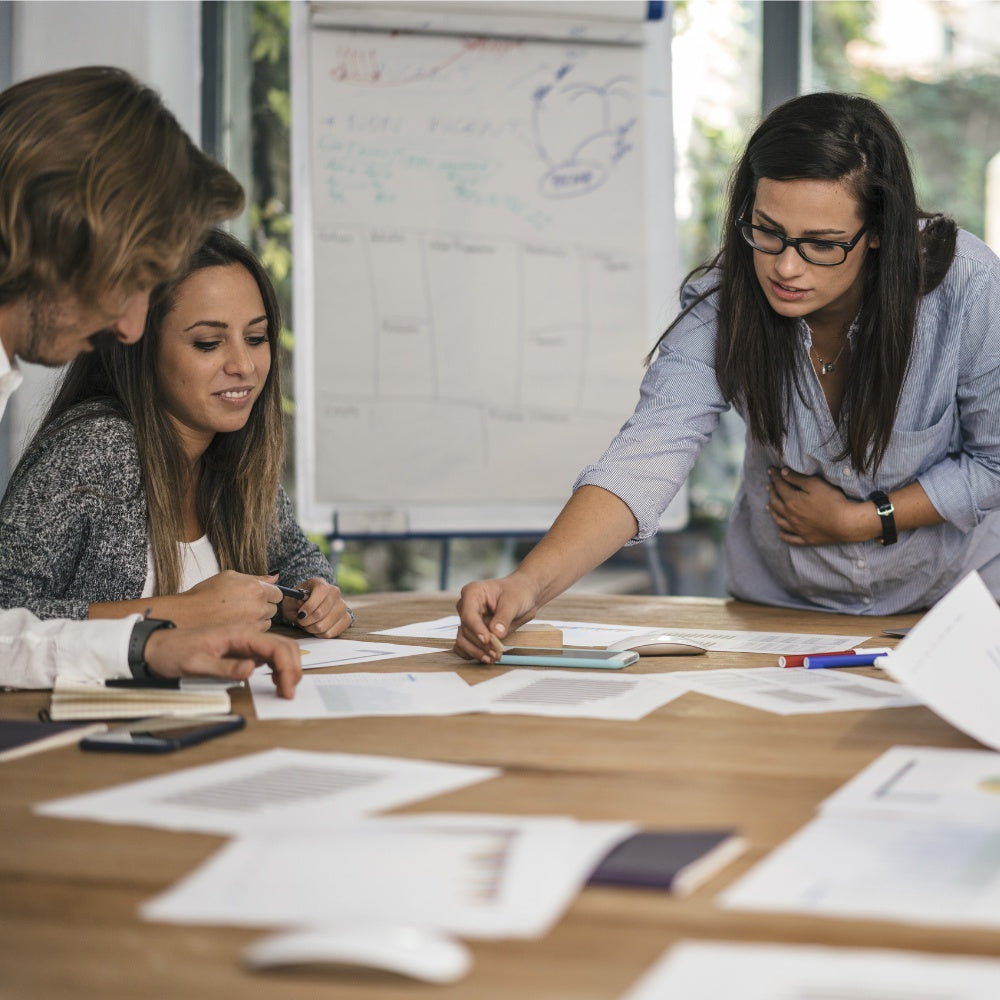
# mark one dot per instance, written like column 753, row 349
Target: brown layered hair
column 237, row 479
column 100, row 187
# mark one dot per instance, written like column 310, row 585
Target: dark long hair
column 239, row 473
column 836, row 137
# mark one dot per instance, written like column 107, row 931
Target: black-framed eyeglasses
column 825, row 253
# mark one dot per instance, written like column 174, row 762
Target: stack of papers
column 308, row 852
column 913, row 837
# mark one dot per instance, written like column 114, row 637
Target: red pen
column 798, row 660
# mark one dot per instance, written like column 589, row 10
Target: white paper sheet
column 602, row 635
column 275, row 790
column 340, row 696
column 704, row 970
column 737, row 641
column 951, row 660
column 576, row 694
column 440, row 628
column 796, row 692
column 924, row 783
column 871, row 868
column 351, row 652
column 478, row 876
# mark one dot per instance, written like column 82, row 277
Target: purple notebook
column 676, row 860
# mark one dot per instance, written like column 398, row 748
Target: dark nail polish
column 301, row 615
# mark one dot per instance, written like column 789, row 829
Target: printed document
column 590, row 634
column 911, row 838
column 341, row 696
column 951, row 660
column 275, row 790
column 351, row 652
column 479, row 876
column 863, row 867
column 795, row 692
column 712, row 970
column 576, row 694
column 925, row 783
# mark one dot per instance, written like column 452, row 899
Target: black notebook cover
column 18, row 739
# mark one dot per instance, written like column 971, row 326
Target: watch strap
column 886, row 513
column 141, row 632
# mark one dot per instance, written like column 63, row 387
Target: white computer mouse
column 408, row 951
column 658, row 644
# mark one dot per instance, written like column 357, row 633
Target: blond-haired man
column 102, row 196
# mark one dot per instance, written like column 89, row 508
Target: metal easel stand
column 659, row 580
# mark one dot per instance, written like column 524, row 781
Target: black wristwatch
column 886, row 513
column 141, row 632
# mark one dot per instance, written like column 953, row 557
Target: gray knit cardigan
column 73, row 524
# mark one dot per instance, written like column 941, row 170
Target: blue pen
column 857, row 660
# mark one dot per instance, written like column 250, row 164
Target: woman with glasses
column 859, row 339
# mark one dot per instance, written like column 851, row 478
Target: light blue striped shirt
column 946, row 435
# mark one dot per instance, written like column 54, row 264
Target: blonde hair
column 100, row 187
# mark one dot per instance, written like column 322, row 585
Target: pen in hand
column 293, row 592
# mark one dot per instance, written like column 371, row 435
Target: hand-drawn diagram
column 480, row 221
column 603, row 120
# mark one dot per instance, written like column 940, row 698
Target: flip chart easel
column 484, row 245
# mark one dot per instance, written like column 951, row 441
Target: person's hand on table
column 324, row 613
column 232, row 651
column 492, row 607
column 226, row 598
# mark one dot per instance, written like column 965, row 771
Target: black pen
column 299, row 595
column 174, row 683
column 145, row 682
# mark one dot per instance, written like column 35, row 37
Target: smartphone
column 593, row 659
column 162, row 735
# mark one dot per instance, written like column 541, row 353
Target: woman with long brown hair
column 857, row 337
column 153, row 482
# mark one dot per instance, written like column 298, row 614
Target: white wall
column 158, row 41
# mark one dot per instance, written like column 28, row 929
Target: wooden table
column 70, row 890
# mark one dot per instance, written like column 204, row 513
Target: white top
column 32, row 652
column 198, row 562
column 10, row 379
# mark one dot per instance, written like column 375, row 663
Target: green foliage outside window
column 951, row 122
column 271, row 210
